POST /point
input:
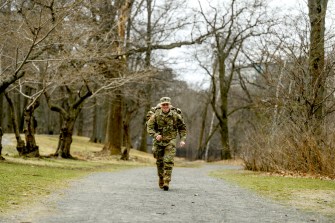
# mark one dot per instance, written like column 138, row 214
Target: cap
column 164, row 100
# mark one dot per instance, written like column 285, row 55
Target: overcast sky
column 190, row 72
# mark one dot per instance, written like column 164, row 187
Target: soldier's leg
column 154, row 149
column 160, row 164
column 170, row 153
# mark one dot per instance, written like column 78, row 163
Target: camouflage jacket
column 168, row 125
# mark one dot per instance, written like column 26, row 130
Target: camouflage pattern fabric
column 165, row 161
column 154, row 148
column 150, row 113
column 168, row 125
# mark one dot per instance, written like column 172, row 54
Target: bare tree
column 158, row 29
column 239, row 22
column 317, row 15
column 291, row 127
column 115, row 123
column 69, row 111
column 28, row 26
column 31, row 27
column 20, row 146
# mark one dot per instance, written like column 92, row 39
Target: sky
column 195, row 76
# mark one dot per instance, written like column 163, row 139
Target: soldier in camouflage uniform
column 164, row 125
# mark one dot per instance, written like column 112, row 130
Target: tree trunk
column 1, row 134
column 114, row 130
column 211, row 130
column 223, row 121
column 143, row 145
column 80, row 124
column 201, row 147
column 28, row 148
column 225, row 152
column 1, row 109
column 20, row 146
column 94, row 137
column 317, row 14
column 65, row 139
column 102, row 123
column 69, row 115
column 22, row 102
column 127, row 145
column 115, row 122
column 31, row 149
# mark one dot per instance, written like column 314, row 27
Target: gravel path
column 133, row 196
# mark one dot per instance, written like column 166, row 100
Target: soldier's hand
column 182, row 143
column 159, row 137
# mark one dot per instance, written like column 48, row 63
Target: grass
column 24, row 181
column 305, row 193
column 21, row 182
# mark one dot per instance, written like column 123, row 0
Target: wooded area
column 94, row 68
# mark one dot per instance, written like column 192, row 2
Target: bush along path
column 134, row 196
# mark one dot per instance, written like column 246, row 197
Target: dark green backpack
column 153, row 110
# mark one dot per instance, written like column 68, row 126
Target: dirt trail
column 133, row 196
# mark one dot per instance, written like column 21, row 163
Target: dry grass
column 290, row 152
column 232, row 162
column 24, row 181
column 321, row 200
column 81, row 148
column 302, row 192
column 28, row 180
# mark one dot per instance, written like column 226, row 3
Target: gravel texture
column 134, row 196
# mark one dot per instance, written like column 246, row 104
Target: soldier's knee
column 169, row 167
column 168, row 164
column 159, row 162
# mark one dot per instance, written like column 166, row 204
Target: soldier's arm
column 151, row 127
column 181, row 128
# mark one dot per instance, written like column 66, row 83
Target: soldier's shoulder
column 152, row 118
column 178, row 113
column 152, row 111
column 155, row 109
column 177, row 110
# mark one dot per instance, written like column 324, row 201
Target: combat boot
column 161, row 182
column 166, row 185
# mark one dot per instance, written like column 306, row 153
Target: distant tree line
column 93, row 68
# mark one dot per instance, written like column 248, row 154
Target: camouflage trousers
column 165, row 160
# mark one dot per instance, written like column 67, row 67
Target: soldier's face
column 165, row 107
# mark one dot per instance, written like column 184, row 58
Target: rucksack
column 153, row 110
